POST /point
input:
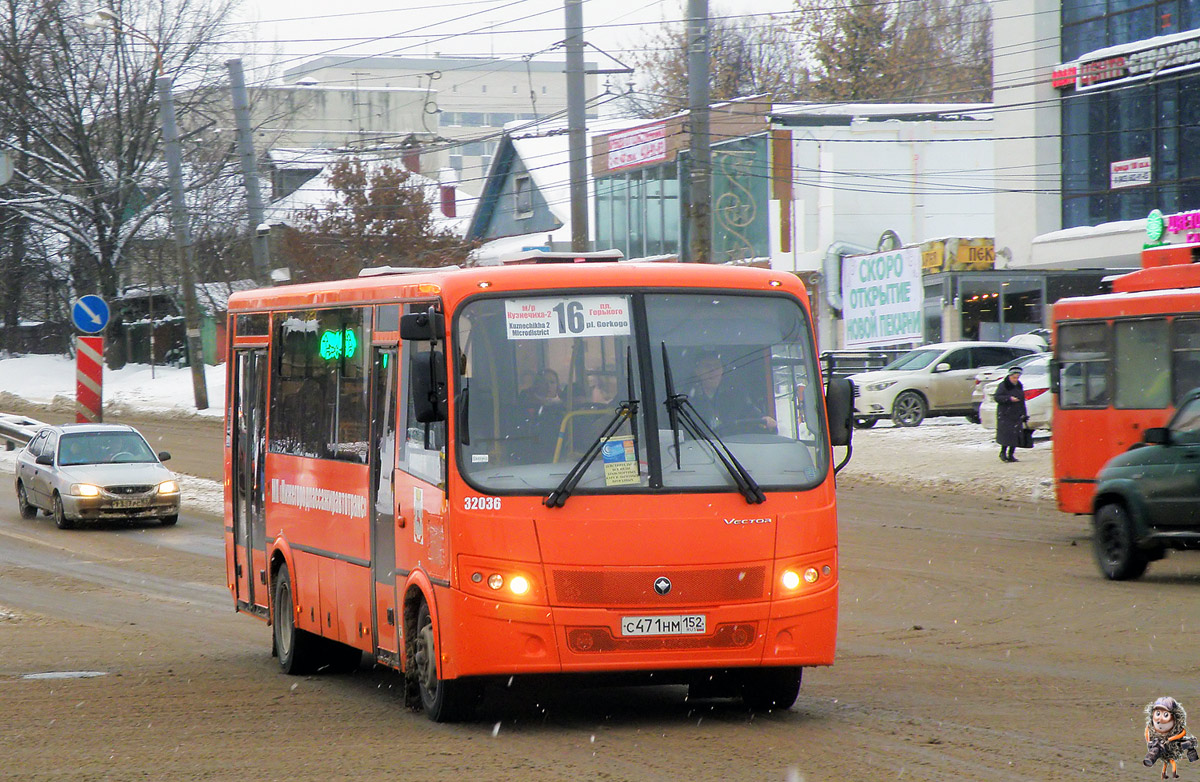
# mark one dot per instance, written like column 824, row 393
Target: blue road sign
column 90, row 314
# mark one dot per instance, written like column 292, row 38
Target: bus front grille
column 604, row 588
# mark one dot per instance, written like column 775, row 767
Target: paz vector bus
column 471, row 474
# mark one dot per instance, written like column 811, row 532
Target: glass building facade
column 1155, row 118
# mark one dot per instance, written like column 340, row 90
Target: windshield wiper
column 626, row 411
column 680, row 410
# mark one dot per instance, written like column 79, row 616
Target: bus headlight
column 500, row 580
column 791, row 579
column 797, row 577
column 85, row 490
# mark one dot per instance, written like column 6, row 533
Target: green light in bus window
column 333, row 343
column 385, row 360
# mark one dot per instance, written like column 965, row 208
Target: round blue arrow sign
column 90, row 314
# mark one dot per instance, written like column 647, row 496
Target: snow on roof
column 976, row 111
column 1085, row 231
column 213, row 297
column 317, row 192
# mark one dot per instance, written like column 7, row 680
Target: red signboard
column 89, row 380
column 637, row 147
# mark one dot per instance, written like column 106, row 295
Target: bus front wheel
column 297, row 649
column 764, row 689
column 444, row 700
column 1116, row 549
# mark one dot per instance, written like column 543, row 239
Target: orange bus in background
column 1122, row 362
column 479, row 473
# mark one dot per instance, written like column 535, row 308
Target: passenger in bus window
column 544, row 393
column 603, row 388
column 726, row 408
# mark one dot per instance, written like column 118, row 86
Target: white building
column 467, row 100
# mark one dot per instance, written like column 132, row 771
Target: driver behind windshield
column 724, row 406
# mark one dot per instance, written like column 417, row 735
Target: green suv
column 1148, row 498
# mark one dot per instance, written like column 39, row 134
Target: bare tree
column 378, row 216
column 80, row 117
column 898, row 50
column 748, row 56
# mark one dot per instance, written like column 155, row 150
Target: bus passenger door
column 249, row 486
column 421, row 542
column 386, row 619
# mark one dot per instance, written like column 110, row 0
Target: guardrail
column 17, row 429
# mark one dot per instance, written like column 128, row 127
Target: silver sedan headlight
column 168, row 487
column 84, row 490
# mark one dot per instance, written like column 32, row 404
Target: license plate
column 138, row 503
column 683, row 624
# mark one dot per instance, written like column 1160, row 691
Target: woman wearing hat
column 1010, row 414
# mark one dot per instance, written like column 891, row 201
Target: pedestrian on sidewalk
column 1010, row 415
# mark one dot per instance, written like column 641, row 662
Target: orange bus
column 480, row 473
column 1122, row 361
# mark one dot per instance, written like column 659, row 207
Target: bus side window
column 424, row 444
column 1143, row 365
column 1083, row 357
column 1185, row 358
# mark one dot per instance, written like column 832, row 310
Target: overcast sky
column 301, row 29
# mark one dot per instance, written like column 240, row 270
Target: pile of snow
column 50, row 380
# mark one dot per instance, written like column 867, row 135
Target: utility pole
column 183, row 238
column 259, row 247
column 576, row 125
column 700, row 206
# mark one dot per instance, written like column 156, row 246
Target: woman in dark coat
column 1010, row 414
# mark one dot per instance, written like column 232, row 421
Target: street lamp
column 106, row 19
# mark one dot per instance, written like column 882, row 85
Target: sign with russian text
column 1131, row 62
column 1129, row 173
column 882, row 298
column 567, row 316
column 637, row 147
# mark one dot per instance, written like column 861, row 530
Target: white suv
column 929, row 381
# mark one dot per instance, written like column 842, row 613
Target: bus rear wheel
column 298, row 649
column 444, row 700
column 1113, row 540
column 765, row 689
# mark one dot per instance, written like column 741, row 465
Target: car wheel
column 909, row 409
column 863, row 422
column 765, row 689
column 169, row 521
column 28, row 511
column 60, row 515
column 972, row 418
column 1113, row 540
column 444, row 700
column 298, row 649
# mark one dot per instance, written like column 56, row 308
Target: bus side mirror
column 1157, row 435
column 421, row 326
column 839, row 404
column 429, row 386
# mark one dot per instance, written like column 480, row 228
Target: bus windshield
column 540, row 377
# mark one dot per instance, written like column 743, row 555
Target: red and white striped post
column 89, row 380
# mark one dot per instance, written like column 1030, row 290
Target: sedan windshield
column 541, row 380
column 103, row 448
column 915, row 359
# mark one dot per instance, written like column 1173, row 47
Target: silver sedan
column 93, row 472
